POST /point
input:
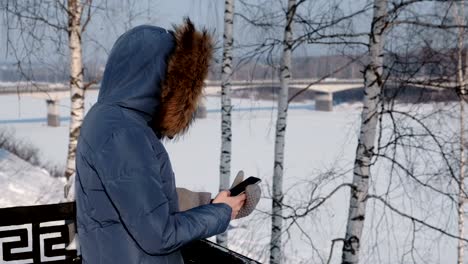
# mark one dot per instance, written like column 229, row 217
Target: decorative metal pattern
column 37, row 234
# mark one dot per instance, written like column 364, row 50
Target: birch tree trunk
column 226, row 132
column 461, row 195
column 281, row 122
column 373, row 83
column 75, row 9
column 460, row 18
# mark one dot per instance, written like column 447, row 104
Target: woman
column 127, row 204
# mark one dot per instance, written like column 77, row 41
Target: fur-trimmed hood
column 186, row 71
column 160, row 74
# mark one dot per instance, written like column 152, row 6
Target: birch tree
column 309, row 25
column 461, row 73
column 280, row 136
column 57, row 17
column 74, row 11
column 373, row 83
column 226, row 132
column 417, row 155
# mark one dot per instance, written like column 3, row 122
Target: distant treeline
column 304, row 67
column 334, row 66
column 12, row 72
column 425, row 62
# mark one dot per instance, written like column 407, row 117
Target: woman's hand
column 235, row 202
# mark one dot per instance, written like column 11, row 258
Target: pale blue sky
column 105, row 27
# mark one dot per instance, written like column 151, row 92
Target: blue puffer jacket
column 127, row 209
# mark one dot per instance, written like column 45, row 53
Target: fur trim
column 182, row 88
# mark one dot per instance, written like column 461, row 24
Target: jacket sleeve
column 131, row 173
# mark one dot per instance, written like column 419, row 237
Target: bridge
column 323, row 91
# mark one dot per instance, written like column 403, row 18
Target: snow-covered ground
column 22, row 184
column 314, row 139
column 320, row 148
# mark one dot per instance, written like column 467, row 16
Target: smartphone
column 240, row 188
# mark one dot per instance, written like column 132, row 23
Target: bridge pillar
column 201, row 109
column 324, row 101
column 53, row 117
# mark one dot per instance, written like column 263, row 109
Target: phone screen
column 240, row 188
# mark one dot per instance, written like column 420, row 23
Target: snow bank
column 22, row 184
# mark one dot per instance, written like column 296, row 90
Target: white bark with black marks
column 461, row 193
column 373, row 83
column 226, row 107
column 75, row 9
column 281, row 123
column 461, row 71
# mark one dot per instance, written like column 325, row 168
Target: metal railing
column 26, row 235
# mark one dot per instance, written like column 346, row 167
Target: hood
column 135, row 69
column 159, row 73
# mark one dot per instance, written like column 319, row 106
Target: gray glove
column 189, row 199
column 253, row 194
